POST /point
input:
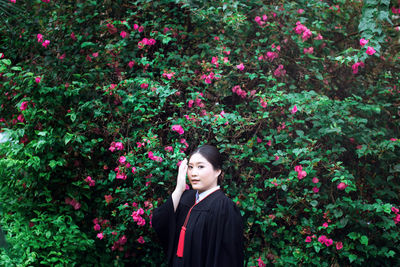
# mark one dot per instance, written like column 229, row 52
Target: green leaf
column 352, row 257
column 85, row 44
column 364, row 240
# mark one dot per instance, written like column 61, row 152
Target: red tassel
column 181, row 243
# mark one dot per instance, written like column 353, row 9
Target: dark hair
column 212, row 155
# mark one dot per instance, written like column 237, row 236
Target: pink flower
column 393, row 139
column 325, row 224
column 24, row 105
column 341, row 186
column 328, row 242
column 279, row 71
column 135, row 26
column 123, row 34
column 96, row 54
column 271, row 55
column 38, row 79
column 46, row 43
column 140, row 29
column 315, row 180
column 120, row 175
column 293, row 110
column 306, row 34
column 100, row 235
column 301, row 175
column 240, row 66
column 119, row 146
column 308, row 239
column 168, row 75
column 46, row 1
column 96, row 227
column 395, row 210
column 396, row 219
column 370, row 50
column 131, row 63
column 300, row 11
column 73, row 37
column 339, row 245
column 169, row 148
column 178, row 128
column 298, row 168
column 140, row 240
column 356, row 65
column 322, row 239
column 363, row 41
column 309, row 50
column 90, row 181
column 315, row 189
column 144, row 85
column 261, row 262
column 122, row 160
column 39, row 38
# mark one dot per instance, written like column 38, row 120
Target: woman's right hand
column 181, row 179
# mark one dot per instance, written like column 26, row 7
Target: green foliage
column 99, row 101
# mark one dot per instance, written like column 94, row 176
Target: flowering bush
column 100, row 101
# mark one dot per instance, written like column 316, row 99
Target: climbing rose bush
column 100, row 102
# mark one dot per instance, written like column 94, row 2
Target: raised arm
column 180, row 183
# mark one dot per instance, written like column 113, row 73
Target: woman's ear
column 219, row 172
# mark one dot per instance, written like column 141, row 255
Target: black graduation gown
column 214, row 231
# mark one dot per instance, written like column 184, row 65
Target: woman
column 200, row 227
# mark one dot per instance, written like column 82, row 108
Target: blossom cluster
column 279, row 71
column 44, row 43
column 73, row 203
column 396, row 219
column 153, row 157
column 146, row 41
column 178, row 128
column 196, row 101
column 168, row 75
column 90, row 181
column 300, row 173
column 303, row 30
column 136, row 216
column 116, row 146
column 211, row 76
column 261, row 21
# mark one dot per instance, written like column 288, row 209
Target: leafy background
column 307, row 121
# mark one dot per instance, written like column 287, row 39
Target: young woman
column 202, row 226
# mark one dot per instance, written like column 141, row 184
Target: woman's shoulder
column 225, row 204
column 188, row 197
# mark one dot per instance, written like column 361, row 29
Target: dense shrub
column 101, row 99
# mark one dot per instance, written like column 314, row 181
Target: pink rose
column 341, row 186
column 315, row 180
column 363, row 41
column 178, row 128
column 293, row 110
column 123, row 34
column 100, row 235
column 240, row 66
column 315, row 189
column 370, row 50
column 339, row 245
column 24, row 105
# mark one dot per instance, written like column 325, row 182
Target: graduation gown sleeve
column 227, row 232
column 164, row 224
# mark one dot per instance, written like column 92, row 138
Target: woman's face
column 201, row 173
